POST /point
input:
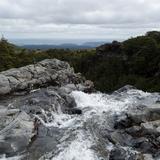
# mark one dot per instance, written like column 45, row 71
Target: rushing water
column 80, row 140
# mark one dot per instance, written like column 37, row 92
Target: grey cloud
column 92, row 18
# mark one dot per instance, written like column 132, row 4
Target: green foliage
column 139, row 45
column 155, row 35
column 6, row 55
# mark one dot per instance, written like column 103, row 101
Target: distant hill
column 94, row 44
column 87, row 45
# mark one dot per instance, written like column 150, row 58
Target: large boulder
column 4, row 85
column 16, row 132
column 47, row 72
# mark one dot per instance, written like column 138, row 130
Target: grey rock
column 17, row 134
column 118, row 138
column 117, row 154
column 74, row 111
column 123, row 121
column 144, row 145
column 122, row 154
column 68, row 88
column 125, row 89
column 152, row 127
column 154, row 111
column 148, row 157
column 134, row 130
column 44, row 73
column 6, row 148
column 4, row 85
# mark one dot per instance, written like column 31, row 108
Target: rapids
column 81, row 140
column 83, row 136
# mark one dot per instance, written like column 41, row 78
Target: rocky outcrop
column 44, row 73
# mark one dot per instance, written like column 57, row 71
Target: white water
column 80, row 148
column 92, row 104
column 99, row 103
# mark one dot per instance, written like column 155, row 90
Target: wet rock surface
column 54, row 119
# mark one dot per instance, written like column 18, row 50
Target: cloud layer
column 109, row 19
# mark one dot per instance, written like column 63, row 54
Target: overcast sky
column 78, row 19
